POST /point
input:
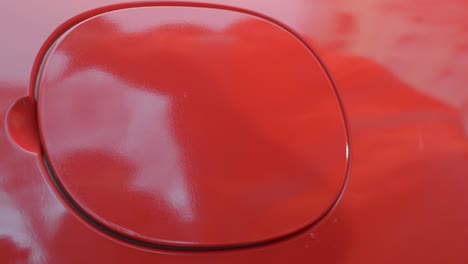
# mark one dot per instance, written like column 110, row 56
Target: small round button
column 191, row 127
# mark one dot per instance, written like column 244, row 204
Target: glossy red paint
column 401, row 70
column 196, row 133
column 21, row 124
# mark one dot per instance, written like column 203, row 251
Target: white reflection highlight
column 139, row 120
column 13, row 224
column 26, row 210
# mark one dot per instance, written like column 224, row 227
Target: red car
column 234, row 131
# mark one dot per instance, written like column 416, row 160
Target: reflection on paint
column 136, row 108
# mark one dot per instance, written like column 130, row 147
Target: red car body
column 302, row 131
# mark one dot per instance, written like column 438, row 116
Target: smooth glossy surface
column 195, row 133
column 401, row 68
column 22, row 124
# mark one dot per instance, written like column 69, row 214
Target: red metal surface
column 401, row 70
column 179, row 130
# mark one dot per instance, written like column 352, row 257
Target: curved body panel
column 400, row 69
